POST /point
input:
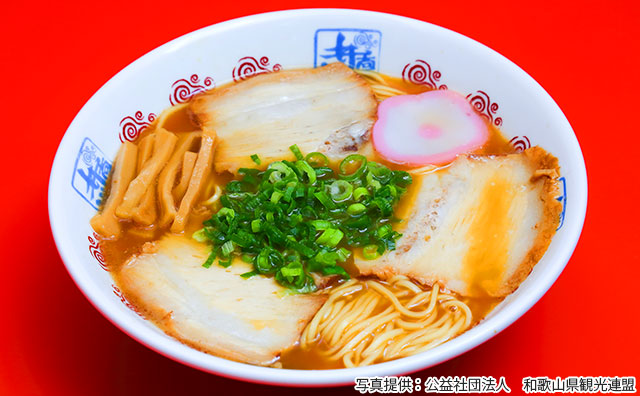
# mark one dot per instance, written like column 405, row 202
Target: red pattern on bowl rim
column 96, row 251
column 183, row 89
column 520, row 143
column 132, row 126
column 124, row 300
column 249, row 66
column 420, row 72
column 482, row 103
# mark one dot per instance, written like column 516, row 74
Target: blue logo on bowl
column 357, row 48
column 563, row 200
column 90, row 173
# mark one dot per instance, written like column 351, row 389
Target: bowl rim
column 334, row 377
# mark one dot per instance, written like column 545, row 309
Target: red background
column 56, row 55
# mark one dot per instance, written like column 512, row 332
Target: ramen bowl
column 239, row 49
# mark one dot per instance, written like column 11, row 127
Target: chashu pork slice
column 329, row 109
column 478, row 226
column 214, row 309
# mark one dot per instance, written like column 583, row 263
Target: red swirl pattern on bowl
column 249, row 66
column 132, row 126
column 520, row 143
column 482, row 103
column 96, row 251
column 183, row 89
column 124, row 300
column 420, row 72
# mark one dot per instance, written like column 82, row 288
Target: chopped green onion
column 209, row 260
column 274, row 234
column 343, row 254
column 393, row 191
column 349, row 163
column 226, row 212
column 380, row 172
column 385, row 207
column 275, row 196
column 370, row 252
column 200, row 235
column 384, row 230
column 280, row 171
column 330, row 237
column 256, row 159
column 360, row 192
column 291, row 272
column 335, row 270
column 242, row 238
column 401, row 178
column 326, row 258
column 225, row 263
column 373, row 183
column 288, row 193
column 321, row 225
column 323, row 171
column 317, row 159
column 302, row 249
column 268, row 261
column 249, row 274
column 294, row 277
column 340, row 190
column 296, row 151
column 227, row 248
column 356, row 209
column 304, row 167
column 325, row 200
column 298, row 218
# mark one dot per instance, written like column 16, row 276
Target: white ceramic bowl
column 236, row 49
